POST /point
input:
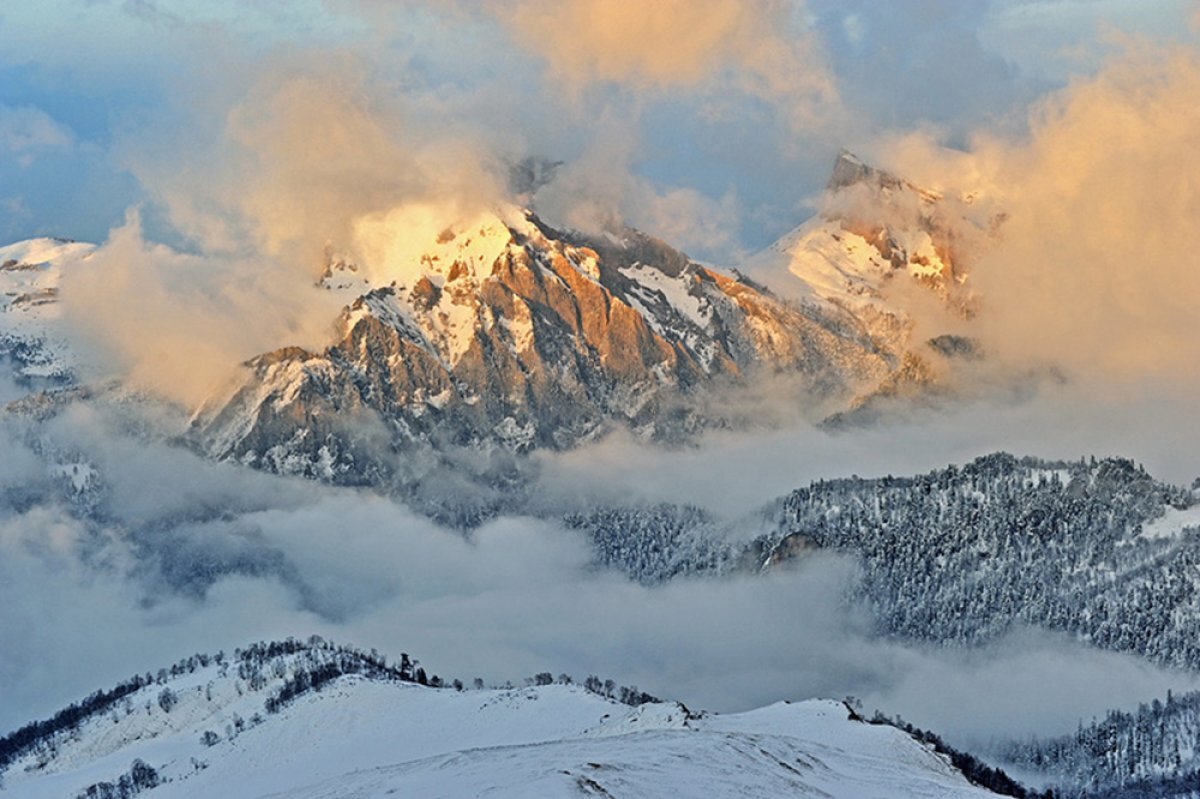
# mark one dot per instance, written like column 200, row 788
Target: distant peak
column 849, row 170
column 529, row 174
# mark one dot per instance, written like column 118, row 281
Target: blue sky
column 89, row 89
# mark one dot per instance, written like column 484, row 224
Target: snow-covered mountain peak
column 872, row 227
column 417, row 241
column 502, row 330
column 489, row 328
column 30, row 272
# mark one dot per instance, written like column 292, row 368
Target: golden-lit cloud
column 177, row 324
column 303, row 153
column 1098, row 262
column 763, row 48
column 307, row 150
column 296, row 163
column 1094, row 269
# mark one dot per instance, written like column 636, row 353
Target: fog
column 167, row 553
column 731, row 474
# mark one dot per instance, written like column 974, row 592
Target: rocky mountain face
column 500, row 335
column 504, row 335
column 516, row 336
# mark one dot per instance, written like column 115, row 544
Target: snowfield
column 30, row 315
column 367, row 737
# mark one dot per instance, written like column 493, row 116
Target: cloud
column 27, row 133
column 764, row 49
column 732, row 474
column 303, row 151
column 600, row 191
column 266, row 169
column 1095, row 266
column 261, row 184
column 178, row 324
column 1057, row 39
column 266, row 173
column 186, row 555
column 1084, row 235
column 893, row 64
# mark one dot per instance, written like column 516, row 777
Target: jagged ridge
column 517, row 336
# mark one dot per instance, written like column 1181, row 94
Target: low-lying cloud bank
column 732, row 474
column 177, row 554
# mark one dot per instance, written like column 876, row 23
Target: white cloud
column 26, row 133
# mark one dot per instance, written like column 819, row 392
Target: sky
column 218, row 148
column 111, row 104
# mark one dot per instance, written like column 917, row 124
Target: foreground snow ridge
column 315, row 720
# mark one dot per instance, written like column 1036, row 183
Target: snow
column 519, row 326
column 30, row 315
column 831, row 265
column 80, row 474
column 358, row 738
column 416, row 240
column 1045, row 476
column 823, row 261
column 1172, row 523
column 674, row 290
column 412, row 245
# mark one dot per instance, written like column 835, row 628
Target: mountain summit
column 508, row 334
column 498, row 334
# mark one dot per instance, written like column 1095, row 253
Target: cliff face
column 502, row 334
column 513, row 335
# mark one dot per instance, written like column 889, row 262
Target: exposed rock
column 548, row 340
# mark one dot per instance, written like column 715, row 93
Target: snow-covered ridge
column 204, row 729
column 30, row 315
column 872, row 228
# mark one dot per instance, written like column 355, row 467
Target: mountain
column 308, row 719
column 873, row 231
column 466, row 346
column 886, row 251
column 1094, row 548
column 507, row 334
column 31, row 336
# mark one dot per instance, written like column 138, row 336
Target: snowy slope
column 30, row 315
column 874, row 228
column 896, row 258
column 373, row 735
